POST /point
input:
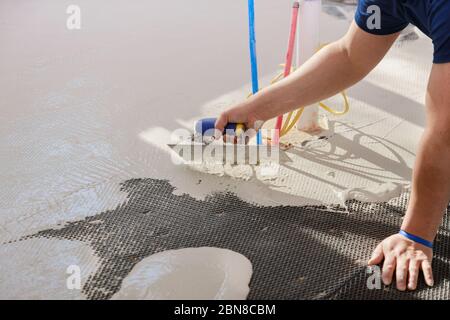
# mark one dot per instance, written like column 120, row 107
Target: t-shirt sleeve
column 440, row 30
column 381, row 17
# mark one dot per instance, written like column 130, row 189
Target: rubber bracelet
column 417, row 239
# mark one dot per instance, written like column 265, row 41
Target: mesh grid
column 306, row 252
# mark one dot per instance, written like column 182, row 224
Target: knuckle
column 421, row 256
column 399, row 251
column 389, row 267
column 414, row 267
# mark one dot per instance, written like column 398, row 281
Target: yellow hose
column 337, row 113
column 288, row 124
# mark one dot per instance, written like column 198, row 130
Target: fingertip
column 221, row 122
column 428, row 273
column 413, row 275
column 375, row 260
column 412, row 286
column 371, row 262
column 376, row 257
column 401, row 288
column 389, row 268
column 378, row 251
column 401, row 283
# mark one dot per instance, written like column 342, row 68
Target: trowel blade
column 230, row 153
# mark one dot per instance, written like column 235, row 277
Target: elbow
column 356, row 68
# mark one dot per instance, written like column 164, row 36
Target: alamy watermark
column 73, row 281
column 73, row 21
column 374, row 19
column 374, row 278
column 233, row 148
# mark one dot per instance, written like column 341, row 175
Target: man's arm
column 430, row 191
column 333, row 69
column 431, row 181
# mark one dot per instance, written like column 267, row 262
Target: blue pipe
column 253, row 60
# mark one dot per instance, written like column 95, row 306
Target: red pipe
column 288, row 65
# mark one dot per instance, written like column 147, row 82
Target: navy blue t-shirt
column 432, row 17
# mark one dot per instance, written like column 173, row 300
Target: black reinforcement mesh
column 306, row 252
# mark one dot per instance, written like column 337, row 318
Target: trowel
column 202, row 146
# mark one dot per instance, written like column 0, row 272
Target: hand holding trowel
column 204, row 145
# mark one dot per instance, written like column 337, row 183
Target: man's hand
column 240, row 113
column 404, row 257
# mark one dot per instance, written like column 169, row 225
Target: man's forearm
column 324, row 75
column 431, row 187
column 431, row 182
column 333, row 69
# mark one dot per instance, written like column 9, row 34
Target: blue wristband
column 417, row 239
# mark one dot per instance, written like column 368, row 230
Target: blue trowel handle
column 206, row 124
